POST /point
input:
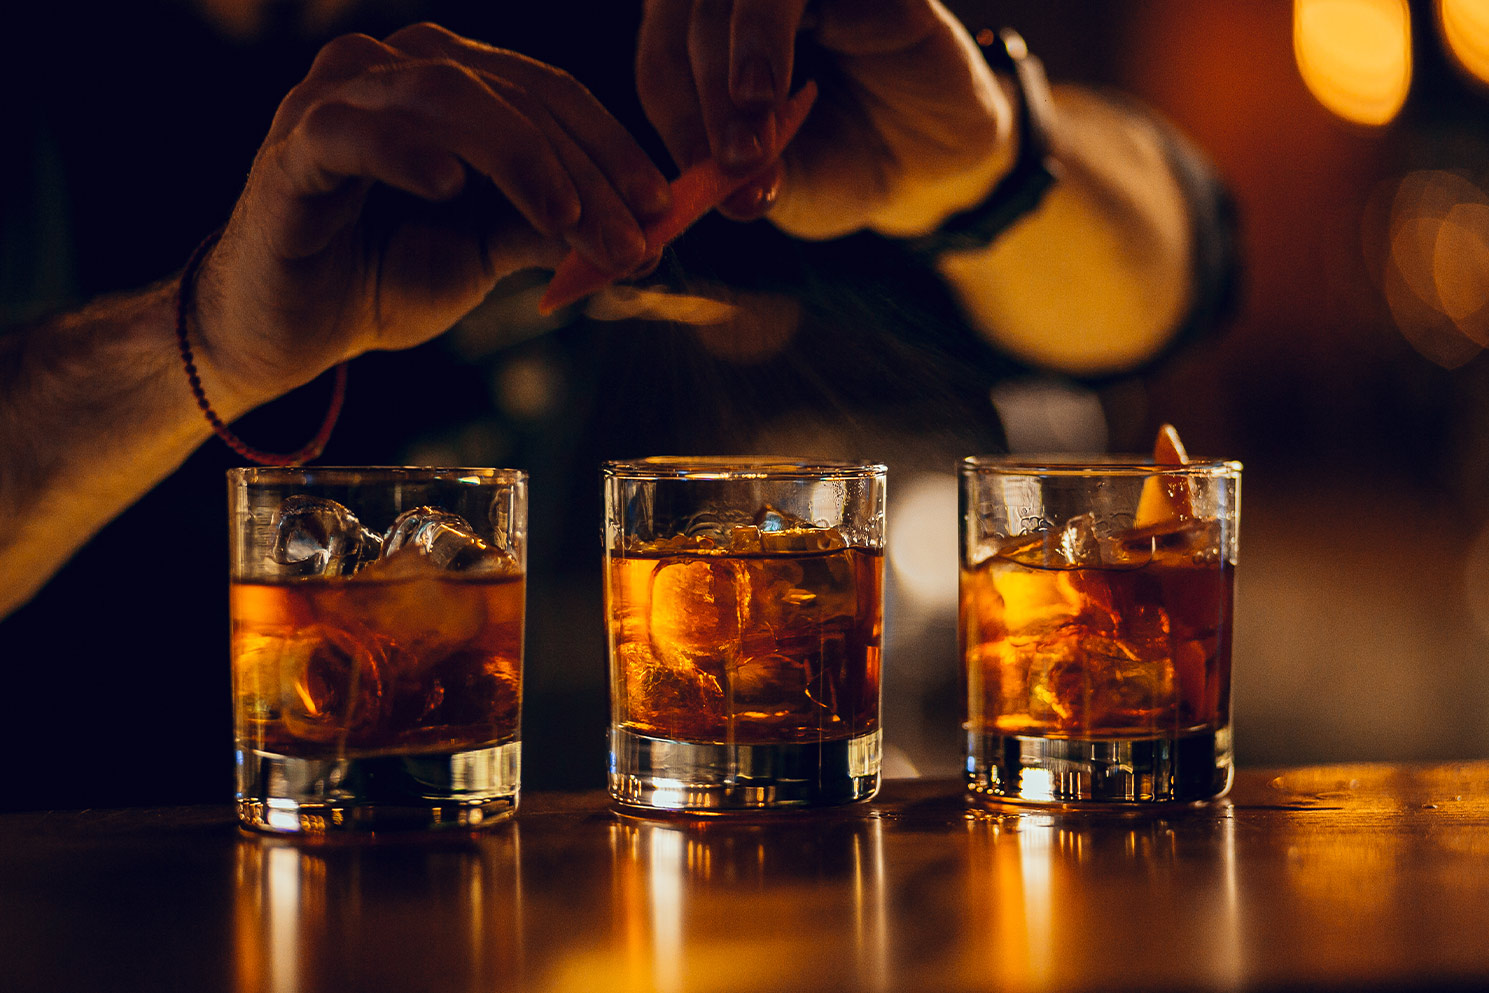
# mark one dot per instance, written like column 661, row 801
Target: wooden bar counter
column 1347, row 877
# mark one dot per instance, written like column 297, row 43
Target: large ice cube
column 797, row 600
column 675, row 701
column 1082, row 542
column 325, row 683
column 698, row 606
column 787, row 693
column 1088, row 671
column 424, row 614
column 444, row 539
column 314, row 536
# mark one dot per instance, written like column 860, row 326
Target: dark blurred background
column 1351, row 132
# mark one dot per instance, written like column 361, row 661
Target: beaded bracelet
column 312, row 448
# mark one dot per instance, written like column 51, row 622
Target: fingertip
column 753, row 200
column 615, row 249
column 647, row 267
column 649, row 198
column 744, row 143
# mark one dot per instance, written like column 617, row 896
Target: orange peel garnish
column 700, row 188
column 1165, row 498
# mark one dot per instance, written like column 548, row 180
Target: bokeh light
column 923, row 539
column 1043, row 415
column 1465, row 29
column 1355, row 56
column 1435, row 276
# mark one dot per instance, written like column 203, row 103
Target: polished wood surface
column 1333, row 877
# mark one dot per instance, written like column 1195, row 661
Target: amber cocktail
column 744, row 601
column 1097, row 607
column 377, row 633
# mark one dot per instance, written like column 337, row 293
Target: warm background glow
column 1355, row 55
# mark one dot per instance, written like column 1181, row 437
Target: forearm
column 94, row 411
column 1101, row 276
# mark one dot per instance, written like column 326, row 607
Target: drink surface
column 1137, row 646
column 718, row 646
column 418, row 661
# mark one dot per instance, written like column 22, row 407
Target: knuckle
column 439, row 81
column 424, row 32
column 346, row 50
column 324, row 120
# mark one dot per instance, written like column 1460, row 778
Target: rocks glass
column 1095, row 630
column 744, row 600
column 377, row 634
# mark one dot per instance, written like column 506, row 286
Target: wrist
column 235, row 398
column 235, row 380
column 1021, row 187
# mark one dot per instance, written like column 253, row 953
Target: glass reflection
column 395, row 916
column 1043, row 888
column 748, row 905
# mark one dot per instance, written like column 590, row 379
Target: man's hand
column 911, row 125
column 399, row 181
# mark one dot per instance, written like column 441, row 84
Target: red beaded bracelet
column 312, row 448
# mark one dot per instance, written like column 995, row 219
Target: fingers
column 619, row 186
column 664, row 80
column 418, row 110
column 711, row 73
column 583, row 120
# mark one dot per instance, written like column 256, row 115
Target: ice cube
column 1074, row 545
column 768, row 518
column 781, row 694
column 797, row 599
column 424, row 615
column 314, row 536
column 1132, row 679
column 1090, row 672
column 676, row 701
column 746, row 540
column 697, row 607
column 444, row 539
column 323, row 682
column 783, row 532
column 709, row 529
column 1025, row 549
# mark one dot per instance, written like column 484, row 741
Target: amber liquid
column 1137, row 650
column 363, row 666
column 719, row 647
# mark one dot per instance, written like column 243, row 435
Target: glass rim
column 1079, row 464
column 347, row 474
column 723, row 467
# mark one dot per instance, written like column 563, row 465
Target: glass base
column 1021, row 768
column 681, row 775
column 373, row 793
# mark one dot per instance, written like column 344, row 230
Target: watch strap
column 1034, row 169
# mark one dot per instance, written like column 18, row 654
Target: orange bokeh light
column 1355, row 56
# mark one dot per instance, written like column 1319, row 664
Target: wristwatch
column 1034, row 170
